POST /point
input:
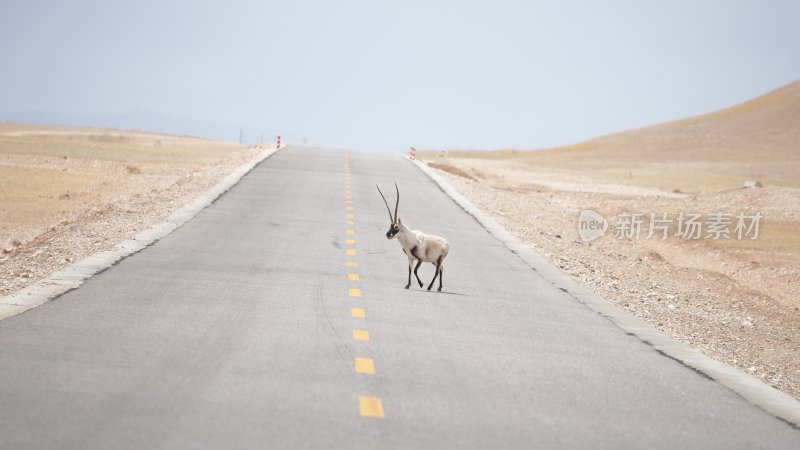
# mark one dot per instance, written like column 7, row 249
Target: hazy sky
column 381, row 74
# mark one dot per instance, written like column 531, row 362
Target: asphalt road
column 237, row 331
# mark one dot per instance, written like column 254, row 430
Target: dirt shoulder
column 736, row 300
column 69, row 193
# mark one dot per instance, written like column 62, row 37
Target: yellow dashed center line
column 370, row 407
column 361, row 335
column 365, row 366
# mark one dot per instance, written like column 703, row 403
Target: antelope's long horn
column 385, row 203
column 397, row 203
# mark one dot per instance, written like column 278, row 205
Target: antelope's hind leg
column 434, row 277
column 441, row 276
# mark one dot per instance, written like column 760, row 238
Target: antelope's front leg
column 410, row 261
column 419, row 263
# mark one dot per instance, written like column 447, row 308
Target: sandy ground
column 68, row 193
column 736, row 300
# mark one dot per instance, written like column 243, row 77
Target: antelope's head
column 394, row 221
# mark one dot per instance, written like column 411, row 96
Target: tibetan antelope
column 417, row 245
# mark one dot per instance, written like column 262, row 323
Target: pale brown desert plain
column 735, row 299
column 68, row 193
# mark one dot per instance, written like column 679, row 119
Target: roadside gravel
column 137, row 200
column 711, row 298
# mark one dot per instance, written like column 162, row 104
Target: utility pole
column 240, row 135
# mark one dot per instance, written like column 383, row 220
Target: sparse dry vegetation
column 453, row 170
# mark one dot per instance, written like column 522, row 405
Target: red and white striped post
column 278, row 141
column 412, row 154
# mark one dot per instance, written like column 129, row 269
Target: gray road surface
column 236, row 331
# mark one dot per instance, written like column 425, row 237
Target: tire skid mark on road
column 325, row 324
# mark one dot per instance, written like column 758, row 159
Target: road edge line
column 769, row 399
column 75, row 274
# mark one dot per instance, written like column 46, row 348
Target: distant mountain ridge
column 147, row 120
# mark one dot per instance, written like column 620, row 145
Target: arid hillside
column 735, row 295
column 758, row 139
